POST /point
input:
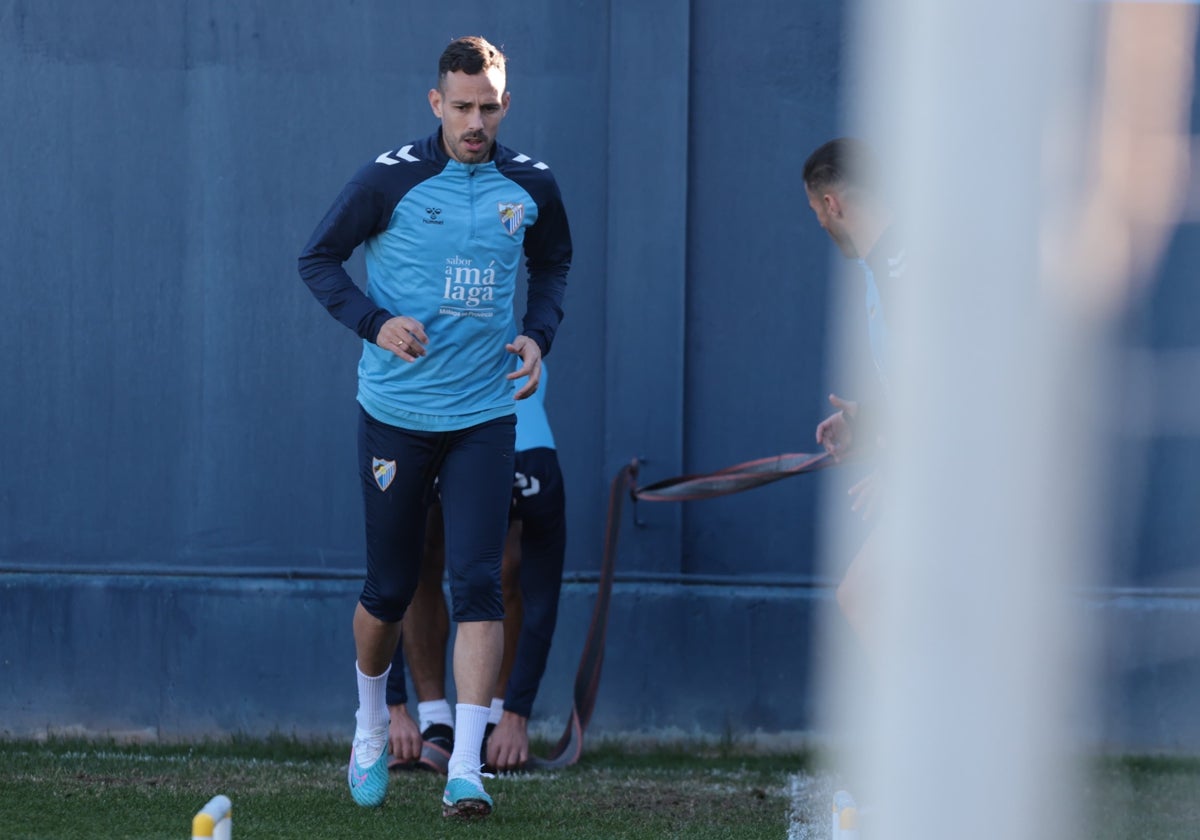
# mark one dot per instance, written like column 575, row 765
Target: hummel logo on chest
column 431, row 216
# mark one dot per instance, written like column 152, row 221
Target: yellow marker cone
column 214, row 821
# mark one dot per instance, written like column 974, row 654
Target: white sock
column 372, row 715
column 470, row 722
column 497, row 710
column 430, row 712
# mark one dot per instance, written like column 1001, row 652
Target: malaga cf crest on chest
column 511, row 215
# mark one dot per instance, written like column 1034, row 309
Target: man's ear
column 435, row 102
column 833, row 204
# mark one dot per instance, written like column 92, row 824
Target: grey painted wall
column 178, row 498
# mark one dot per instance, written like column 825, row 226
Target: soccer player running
column 532, row 581
column 842, row 191
column 445, row 221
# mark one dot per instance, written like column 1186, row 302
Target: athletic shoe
column 466, row 799
column 368, row 785
column 436, row 747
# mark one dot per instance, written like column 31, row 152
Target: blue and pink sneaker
column 368, row 785
column 466, row 799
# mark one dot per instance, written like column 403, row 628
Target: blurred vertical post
column 984, row 657
column 1036, row 151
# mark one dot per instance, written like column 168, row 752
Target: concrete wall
column 178, row 500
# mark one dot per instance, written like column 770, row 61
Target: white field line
column 133, row 758
column 807, row 818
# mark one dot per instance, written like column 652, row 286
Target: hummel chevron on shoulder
column 524, row 158
column 392, row 158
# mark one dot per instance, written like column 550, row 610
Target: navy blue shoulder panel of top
column 364, row 209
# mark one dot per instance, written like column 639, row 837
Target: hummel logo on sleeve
column 392, row 158
column 527, row 158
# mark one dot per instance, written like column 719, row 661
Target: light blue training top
column 533, row 426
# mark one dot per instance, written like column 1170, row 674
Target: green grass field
column 282, row 789
column 64, row 790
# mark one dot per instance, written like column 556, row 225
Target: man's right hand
column 835, row 433
column 403, row 336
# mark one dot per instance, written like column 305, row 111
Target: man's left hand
column 531, row 358
column 403, row 734
column 508, row 745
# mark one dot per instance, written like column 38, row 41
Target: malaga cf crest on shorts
column 511, row 215
column 384, row 472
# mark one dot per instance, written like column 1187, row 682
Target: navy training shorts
column 474, row 471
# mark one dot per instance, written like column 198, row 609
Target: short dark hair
column 471, row 55
column 845, row 161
